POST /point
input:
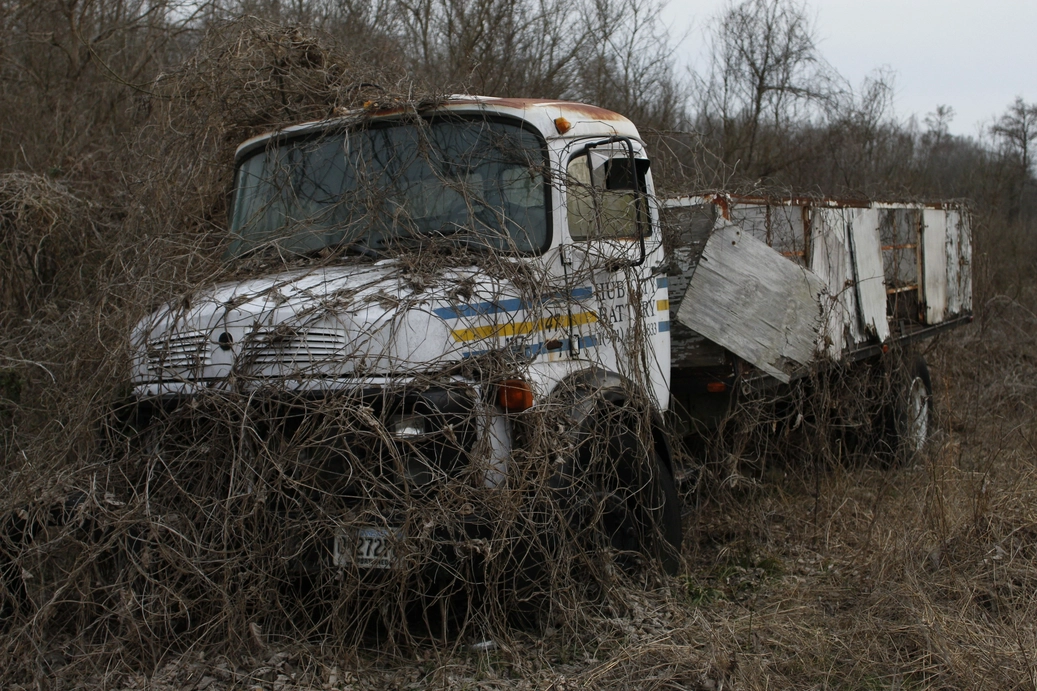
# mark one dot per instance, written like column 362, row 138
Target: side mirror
column 608, row 202
column 630, row 174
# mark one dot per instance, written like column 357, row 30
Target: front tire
column 621, row 494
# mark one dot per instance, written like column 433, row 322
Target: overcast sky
column 973, row 55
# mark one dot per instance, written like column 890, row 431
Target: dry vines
column 289, row 461
column 256, row 510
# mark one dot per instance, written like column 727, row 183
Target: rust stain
column 569, row 107
column 725, row 206
column 371, row 109
column 592, row 112
column 725, row 200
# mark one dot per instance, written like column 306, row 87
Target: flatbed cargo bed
column 784, row 283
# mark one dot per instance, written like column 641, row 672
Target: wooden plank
column 830, row 255
column 759, row 305
column 869, row 272
column 688, row 227
column 752, row 219
column 934, row 265
column 953, row 263
column 958, row 222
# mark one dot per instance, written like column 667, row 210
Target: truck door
column 612, row 254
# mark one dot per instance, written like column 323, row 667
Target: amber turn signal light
column 514, row 395
column 716, row 387
column 562, row 125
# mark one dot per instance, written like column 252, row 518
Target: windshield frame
column 332, row 128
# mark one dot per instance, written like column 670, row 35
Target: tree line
column 766, row 113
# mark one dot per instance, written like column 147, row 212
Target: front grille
column 344, row 444
column 178, row 351
column 305, row 466
column 292, row 348
column 329, row 450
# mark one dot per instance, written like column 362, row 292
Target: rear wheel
column 906, row 411
column 913, row 408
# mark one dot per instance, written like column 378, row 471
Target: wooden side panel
column 831, row 262
column 759, row 305
column 934, row 265
column 869, row 273
column 953, row 248
column 686, row 230
column 779, row 225
column 789, row 235
column 753, row 219
column 959, row 260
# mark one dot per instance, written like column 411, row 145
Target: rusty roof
column 584, row 120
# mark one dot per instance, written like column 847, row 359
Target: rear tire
column 908, row 415
column 914, row 408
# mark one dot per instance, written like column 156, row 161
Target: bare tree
column 498, row 47
column 862, row 143
column 628, row 63
column 765, row 73
column 69, row 71
column 938, row 126
column 1016, row 131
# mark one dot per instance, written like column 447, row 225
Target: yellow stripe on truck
column 562, row 321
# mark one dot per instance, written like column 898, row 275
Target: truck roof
column 554, row 119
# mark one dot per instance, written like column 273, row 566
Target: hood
column 365, row 320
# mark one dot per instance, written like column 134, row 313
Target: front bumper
column 295, row 473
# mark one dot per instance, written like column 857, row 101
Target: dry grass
column 918, row 577
column 915, row 577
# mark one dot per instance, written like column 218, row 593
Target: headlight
column 407, row 426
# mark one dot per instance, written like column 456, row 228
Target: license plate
column 367, row 548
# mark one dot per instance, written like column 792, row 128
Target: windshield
column 457, row 181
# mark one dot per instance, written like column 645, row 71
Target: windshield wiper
column 448, row 231
column 354, row 247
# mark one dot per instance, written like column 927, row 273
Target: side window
column 606, row 196
column 581, row 199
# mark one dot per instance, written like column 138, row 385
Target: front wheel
column 621, row 494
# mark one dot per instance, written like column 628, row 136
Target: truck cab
column 430, row 295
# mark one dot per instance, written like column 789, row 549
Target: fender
column 573, row 397
column 625, row 498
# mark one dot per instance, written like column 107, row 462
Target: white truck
column 442, row 302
